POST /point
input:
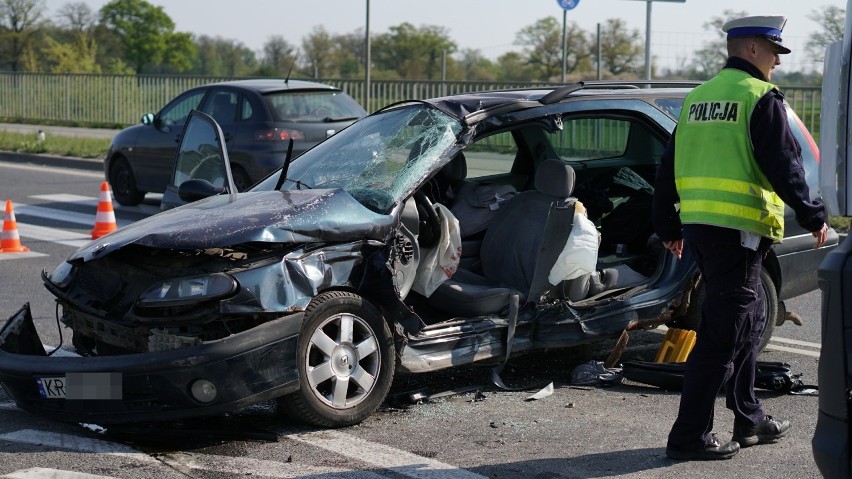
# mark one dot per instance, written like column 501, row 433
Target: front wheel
column 122, row 180
column 346, row 360
column 692, row 318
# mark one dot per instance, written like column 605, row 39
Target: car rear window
column 313, row 106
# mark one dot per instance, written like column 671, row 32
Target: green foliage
column 57, row 145
column 144, row 29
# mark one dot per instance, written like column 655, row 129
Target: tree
column 541, row 44
column 318, row 47
column 221, row 57
column 712, row 57
column 413, row 53
column 145, row 31
column 512, row 66
column 77, row 56
column 77, row 17
column 474, row 66
column 833, row 21
column 621, row 50
column 278, row 57
column 20, row 22
column 350, row 53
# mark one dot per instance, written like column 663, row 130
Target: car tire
column 241, row 178
column 328, row 362
column 692, row 318
column 122, row 181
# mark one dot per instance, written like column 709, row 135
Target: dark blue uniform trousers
column 727, row 342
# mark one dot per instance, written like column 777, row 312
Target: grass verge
column 54, row 144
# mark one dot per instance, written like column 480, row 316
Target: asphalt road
column 576, row 432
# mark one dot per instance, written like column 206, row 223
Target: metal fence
column 90, row 99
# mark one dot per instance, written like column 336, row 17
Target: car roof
column 266, row 85
column 502, row 101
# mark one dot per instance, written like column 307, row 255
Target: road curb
column 91, row 164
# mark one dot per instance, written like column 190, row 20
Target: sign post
column 566, row 5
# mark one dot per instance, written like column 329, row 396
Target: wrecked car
column 428, row 235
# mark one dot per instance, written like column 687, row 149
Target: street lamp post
column 367, row 61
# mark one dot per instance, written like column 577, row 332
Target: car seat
column 519, row 248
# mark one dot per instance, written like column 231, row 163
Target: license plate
column 52, row 387
column 81, row 386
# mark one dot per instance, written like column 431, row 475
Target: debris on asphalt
column 542, row 393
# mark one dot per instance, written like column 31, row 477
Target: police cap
column 766, row 26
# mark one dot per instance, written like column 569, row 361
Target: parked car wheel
column 346, row 362
column 123, row 183
column 241, row 178
column 692, row 318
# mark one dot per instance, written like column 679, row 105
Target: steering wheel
column 430, row 222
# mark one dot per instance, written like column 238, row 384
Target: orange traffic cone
column 10, row 241
column 105, row 218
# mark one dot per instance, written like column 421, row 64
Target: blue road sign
column 568, row 4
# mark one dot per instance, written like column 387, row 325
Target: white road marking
column 75, row 443
column 51, row 169
column 796, row 342
column 93, row 202
column 83, row 219
column 54, row 235
column 27, row 254
column 9, row 406
column 187, row 462
column 386, row 457
column 44, row 473
column 775, row 347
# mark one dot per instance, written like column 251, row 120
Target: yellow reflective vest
column 717, row 178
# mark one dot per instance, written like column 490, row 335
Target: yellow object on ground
column 676, row 346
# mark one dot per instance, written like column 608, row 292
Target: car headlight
column 61, row 276
column 191, row 289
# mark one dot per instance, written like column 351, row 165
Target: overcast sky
column 487, row 25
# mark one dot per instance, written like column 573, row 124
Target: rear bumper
column 246, row 368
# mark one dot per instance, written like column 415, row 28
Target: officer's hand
column 676, row 247
column 820, row 235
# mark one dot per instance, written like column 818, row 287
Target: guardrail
column 97, row 99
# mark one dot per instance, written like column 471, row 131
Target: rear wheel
column 241, row 178
column 123, row 183
column 692, row 318
column 346, row 362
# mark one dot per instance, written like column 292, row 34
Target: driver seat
column 519, row 248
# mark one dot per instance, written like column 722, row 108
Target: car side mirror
column 197, row 189
column 148, row 119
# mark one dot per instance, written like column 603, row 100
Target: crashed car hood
column 265, row 216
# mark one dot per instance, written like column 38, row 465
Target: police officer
column 729, row 168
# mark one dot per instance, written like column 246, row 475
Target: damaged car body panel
column 430, row 234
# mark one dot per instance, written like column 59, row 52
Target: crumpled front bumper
column 246, row 368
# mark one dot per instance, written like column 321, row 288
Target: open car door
column 201, row 165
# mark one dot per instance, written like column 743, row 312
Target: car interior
column 514, row 192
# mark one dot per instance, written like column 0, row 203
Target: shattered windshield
column 379, row 160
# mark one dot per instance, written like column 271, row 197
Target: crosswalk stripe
column 796, row 342
column 75, row 443
column 187, row 461
column 399, row 461
column 45, row 473
column 93, row 202
column 775, row 347
column 54, row 235
column 84, row 219
column 27, row 254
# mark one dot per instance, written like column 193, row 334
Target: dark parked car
column 258, row 118
column 318, row 284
